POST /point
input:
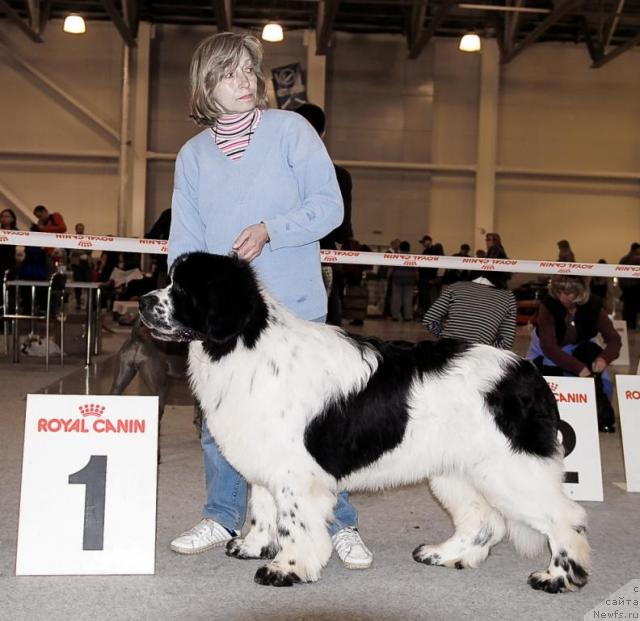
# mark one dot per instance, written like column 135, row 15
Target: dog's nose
column 147, row 302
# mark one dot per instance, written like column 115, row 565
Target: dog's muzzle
column 155, row 316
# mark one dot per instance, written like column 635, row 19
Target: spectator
column 160, row 230
column 80, row 262
column 403, row 284
column 451, row 276
column 8, row 222
column 565, row 253
column 631, row 288
column 569, row 318
column 477, row 311
column 599, row 286
column 383, row 274
column 425, row 275
column 50, row 223
column 435, row 284
column 495, row 249
column 333, row 274
column 356, row 295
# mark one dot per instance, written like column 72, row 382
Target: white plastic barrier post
column 579, row 434
column 88, row 497
column 628, row 387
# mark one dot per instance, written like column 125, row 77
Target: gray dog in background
column 156, row 361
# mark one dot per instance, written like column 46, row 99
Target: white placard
column 88, row 497
column 628, row 387
column 579, row 431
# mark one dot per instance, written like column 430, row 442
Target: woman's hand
column 598, row 365
column 251, row 241
column 585, row 372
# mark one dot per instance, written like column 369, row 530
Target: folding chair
column 55, row 290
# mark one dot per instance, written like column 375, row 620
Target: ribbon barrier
column 157, row 246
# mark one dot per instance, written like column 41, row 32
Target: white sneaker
column 206, row 534
column 351, row 549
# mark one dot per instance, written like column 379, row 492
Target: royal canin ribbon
column 353, row 257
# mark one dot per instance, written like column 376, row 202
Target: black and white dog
column 303, row 410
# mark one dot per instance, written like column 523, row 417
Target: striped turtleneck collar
column 232, row 132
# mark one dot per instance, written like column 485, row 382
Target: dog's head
column 211, row 298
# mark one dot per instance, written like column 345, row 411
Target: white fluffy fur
column 258, row 418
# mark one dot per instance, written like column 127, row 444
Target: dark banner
column 289, row 86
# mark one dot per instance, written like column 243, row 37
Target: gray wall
column 554, row 114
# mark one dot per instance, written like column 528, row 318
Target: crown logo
column 553, row 386
column 91, row 409
column 85, row 244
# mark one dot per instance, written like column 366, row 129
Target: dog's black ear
column 226, row 319
column 231, row 300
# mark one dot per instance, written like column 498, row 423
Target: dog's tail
column 527, row 541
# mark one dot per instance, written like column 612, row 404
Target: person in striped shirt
column 476, row 311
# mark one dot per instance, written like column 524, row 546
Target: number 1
column 94, row 476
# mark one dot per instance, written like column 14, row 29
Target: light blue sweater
column 286, row 180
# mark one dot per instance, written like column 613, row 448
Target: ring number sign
column 578, row 433
column 90, row 466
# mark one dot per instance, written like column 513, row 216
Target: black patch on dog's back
column 355, row 431
column 525, row 410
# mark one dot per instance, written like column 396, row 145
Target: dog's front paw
column 427, row 555
column 544, row 581
column 241, row 548
column 434, row 555
column 268, row 575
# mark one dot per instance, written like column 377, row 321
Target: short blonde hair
column 575, row 285
column 215, row 56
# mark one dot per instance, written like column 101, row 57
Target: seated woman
column 569, row 319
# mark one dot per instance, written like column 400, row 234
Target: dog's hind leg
column 304, row 510
column 261, row 541
column 529, row 490
column 478, row 527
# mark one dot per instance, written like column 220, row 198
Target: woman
column 565, row 254
column 569, row 318
column 495, row 249
column 8, row 222
column 403, row 282
column 258, row 182
column 477, row 311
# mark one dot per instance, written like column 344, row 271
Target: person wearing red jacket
column 49, row 222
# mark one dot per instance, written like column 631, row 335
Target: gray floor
column 212, row 586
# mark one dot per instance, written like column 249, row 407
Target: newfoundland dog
column 303, row 410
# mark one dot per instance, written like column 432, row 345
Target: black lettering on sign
column 94, row 476
column 568, row 438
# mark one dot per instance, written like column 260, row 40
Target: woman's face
column 236, row 91
column 490, row 239
column 6, row 221
column 568, row 300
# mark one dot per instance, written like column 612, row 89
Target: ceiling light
column 470, row 43
column 272, row 32
column 74, row 24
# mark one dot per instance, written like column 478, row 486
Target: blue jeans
column 227, row 491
